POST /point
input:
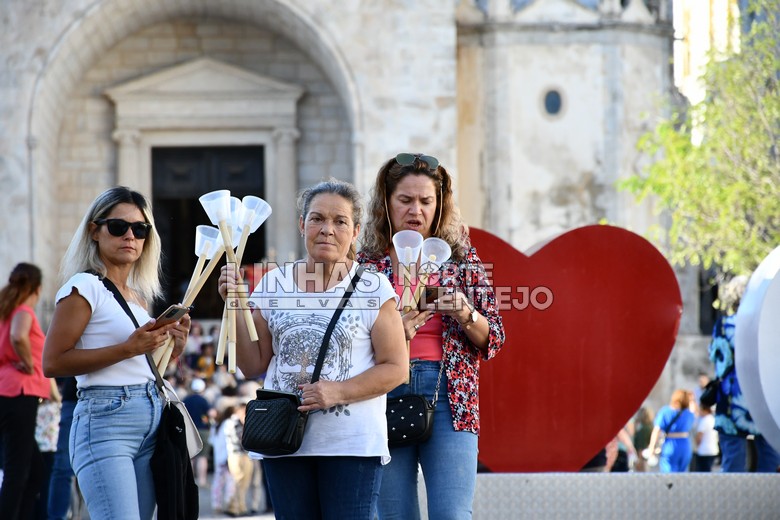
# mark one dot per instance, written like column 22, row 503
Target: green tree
column 715, row 167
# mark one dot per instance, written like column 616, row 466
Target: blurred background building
column 535, row 106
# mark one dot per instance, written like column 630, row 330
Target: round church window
column 553, row 102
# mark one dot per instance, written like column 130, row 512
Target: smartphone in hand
column 429, row 296
column 170, row 315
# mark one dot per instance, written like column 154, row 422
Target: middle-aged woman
column 115, row 421
column 22, row 384
column 337, row 471
column 413, row 191
column 676, row 421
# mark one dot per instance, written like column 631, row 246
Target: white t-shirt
column 297, row 321
column 709, row 438
column 108, row 325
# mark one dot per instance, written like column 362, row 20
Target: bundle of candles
column 420, row 259
column 233, row 217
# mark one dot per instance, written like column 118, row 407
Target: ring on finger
column 417, row 327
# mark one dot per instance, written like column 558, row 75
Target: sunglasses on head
column 407, row 159
column 118, row 227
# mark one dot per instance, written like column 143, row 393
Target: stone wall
column 87, row 152
column 464, row 81
column 376, row 84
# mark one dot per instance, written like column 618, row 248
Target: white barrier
column 605, row 496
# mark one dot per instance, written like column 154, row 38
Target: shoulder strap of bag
column 669, row 426
column 123, row 303
column 326, row 338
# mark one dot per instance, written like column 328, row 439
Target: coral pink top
column 427, row 343
column 13, row 382
column 461, row 357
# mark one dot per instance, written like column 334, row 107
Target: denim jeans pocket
column 72, row 437
column 102, row 406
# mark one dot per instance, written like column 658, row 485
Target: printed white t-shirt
column 297, row 321
column 108, row 325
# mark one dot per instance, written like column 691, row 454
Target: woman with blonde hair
column 676, row 421
column 115, row 421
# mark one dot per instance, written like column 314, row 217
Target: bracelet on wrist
column 472, row 319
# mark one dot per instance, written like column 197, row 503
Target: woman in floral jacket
column 412, row 191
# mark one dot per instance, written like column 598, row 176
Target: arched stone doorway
column 206, row 103
column 72, row 168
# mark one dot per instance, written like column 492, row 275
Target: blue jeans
column 448, row 459
column 112, row 439
column 61, row 472
column 334, row 488
column 734, row 454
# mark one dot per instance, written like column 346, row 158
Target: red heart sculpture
column 591, row 317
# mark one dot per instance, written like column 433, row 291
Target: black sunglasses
column 407, row 159
column 118, row 227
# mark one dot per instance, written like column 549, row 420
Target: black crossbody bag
column 177, row 441
column 273, row 425
column 410, row 417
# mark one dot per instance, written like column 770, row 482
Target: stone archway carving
column 95, row 30
column 206, row 103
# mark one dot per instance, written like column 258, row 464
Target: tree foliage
column 722, row 189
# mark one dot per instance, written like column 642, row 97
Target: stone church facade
column 534, row 106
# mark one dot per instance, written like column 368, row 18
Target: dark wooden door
column 179, row 177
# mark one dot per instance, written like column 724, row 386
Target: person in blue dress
column 675, row 420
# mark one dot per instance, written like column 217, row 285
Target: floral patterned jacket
column 731, row 414
column 460, row 355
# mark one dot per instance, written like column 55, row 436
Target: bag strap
column 325, row 339
column 438, row 382
column 669, row 426
column 329, row 331
column 123, row 303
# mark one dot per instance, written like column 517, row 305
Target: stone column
column 499, row 157
column 128, row 166
column 284, row 238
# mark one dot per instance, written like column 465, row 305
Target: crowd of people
column 689, row 435
column 102, row 424
column 216, row 401
column 237, row 486
column 99, row 422
column 680, row 437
